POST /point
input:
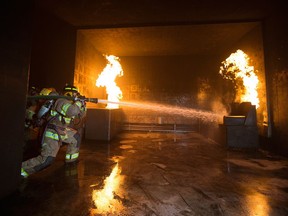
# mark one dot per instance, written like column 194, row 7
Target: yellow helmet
column 47, row 91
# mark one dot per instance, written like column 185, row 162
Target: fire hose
column 55, row 97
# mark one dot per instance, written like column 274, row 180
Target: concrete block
column 241, row 136
column 234, row 120
column 103, row 124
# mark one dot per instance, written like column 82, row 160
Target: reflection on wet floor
column 142, row 173
column 105, row 199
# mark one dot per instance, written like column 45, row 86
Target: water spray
column 186, row 112
column 168, row 109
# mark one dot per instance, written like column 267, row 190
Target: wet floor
column 163, row 174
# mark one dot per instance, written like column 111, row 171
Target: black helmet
column 70, row 90
column 33, row 91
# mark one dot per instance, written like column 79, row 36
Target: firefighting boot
column 71, row 158
column 24, row 174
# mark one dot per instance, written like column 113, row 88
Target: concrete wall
column 168, row 82
column 53, row 51
column 15, row 42
column 276, row 62
column 89, row 63
column 37, row 50
column 165, row 82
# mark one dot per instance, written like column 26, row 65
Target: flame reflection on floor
column 257, row 204
column 104, row 199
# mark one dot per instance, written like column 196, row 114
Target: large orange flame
column 107, row 79
column 237, row 69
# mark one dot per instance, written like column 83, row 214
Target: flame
column 104, row 199
column 237, row 69
column 107, row 79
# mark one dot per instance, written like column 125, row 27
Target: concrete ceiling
column 167, row 40
column 157, row 27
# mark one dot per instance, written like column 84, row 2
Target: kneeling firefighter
column 57, row 131
column 35, row 120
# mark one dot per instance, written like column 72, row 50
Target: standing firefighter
column 58, row 130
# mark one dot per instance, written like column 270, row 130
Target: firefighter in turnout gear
column 35, row 109
column 34, row 122
column 57, row 131
column 31, row 108
column 78, row 122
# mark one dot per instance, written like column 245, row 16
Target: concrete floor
column 158, row 174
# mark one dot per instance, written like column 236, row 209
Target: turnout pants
column 51, row 143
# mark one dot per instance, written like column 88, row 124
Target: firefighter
column 34, row 123
column 32, row 107
column 58, row 130
column 78, row 122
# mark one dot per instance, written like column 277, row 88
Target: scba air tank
column 44, row 109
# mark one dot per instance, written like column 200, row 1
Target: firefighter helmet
column 33, row 91
column 48, row 91
column 70, row 90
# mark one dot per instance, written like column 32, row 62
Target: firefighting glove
column 81, row 99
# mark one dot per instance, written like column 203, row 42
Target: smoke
column 218, row 107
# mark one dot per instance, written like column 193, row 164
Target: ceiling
column 167, row 40
column 157, row 27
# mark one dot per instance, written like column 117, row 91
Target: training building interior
column 183, row 137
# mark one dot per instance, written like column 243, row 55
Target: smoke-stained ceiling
column 167, row 40
column 157, row 27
